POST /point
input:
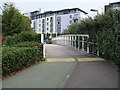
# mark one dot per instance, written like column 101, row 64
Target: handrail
column 73, row 40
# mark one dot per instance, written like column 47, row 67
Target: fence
column 78, row 41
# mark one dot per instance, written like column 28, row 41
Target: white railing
column 78, row 41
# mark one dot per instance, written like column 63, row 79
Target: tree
column 28, row 24
column 12, row 20
column 72, row 29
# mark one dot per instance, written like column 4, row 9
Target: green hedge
column 22, row 37
column 17, row 58
column 28, row 44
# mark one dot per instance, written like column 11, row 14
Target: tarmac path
column 66, row 67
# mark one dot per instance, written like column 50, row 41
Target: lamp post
column 94, row 10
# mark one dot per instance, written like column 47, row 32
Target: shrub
column 17, row 58
column 28, row 44
column 22, row 37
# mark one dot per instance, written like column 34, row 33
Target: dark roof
column 71, row 9
column 34, row 11
column 60, row 11
column 114, row 3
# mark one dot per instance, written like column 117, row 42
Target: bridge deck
column 89, row 71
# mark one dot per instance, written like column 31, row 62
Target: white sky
column 86, row 5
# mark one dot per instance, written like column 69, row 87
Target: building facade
column 115, row 5
column 55, row 22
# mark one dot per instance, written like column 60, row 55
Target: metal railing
column 78, row 41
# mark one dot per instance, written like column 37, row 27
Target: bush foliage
column 22, row 37
column 104, row 30
column 29, row 44
column 18, row 58
column 20, row 51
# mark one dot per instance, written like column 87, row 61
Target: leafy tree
column 12, row 20
column 72, row 29
column 28, row 24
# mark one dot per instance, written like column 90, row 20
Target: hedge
column 17, row 58
column 28, row 44
column 22, row 37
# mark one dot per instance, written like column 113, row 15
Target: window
column 66, row 11
column 72, row 11
column 39, row 25
column 70, row 16
column 70, row 21
column 43, row 21
column 37, row 17
column 42, row 25
column 51, row 29
column 43, row 30
column 51, row 18
column 47, row 29
column 115, row 5
column 58, row 22
column 47, row 19
column 39, row 29
column 47, row 24
column 58, row 18
column 34, row 24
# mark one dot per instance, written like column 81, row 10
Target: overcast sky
column 86, row 5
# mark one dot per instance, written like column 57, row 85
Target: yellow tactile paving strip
column 60, row 60
column 90, row 59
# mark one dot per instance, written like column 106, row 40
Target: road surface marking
column 90, row 59
column 60, row 60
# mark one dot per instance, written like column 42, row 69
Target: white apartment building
column 54, row 22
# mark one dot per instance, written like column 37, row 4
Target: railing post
column 93, row 48
column 44, row 49
column 82, row 43
column 72, row 41
column 78, row 42
column 75, row 41
column 87, row 47
column 64, row 40
column 67, row 40
column 97, row 51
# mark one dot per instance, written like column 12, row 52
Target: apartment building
column 55, row 22
column 115, row 5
